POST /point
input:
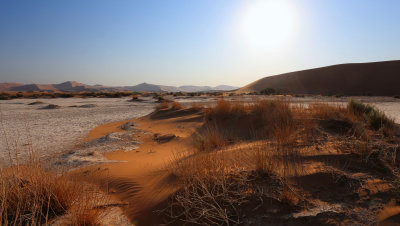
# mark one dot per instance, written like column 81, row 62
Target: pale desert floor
column 52, row 131
column 57, row 130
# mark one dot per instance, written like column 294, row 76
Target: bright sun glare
column 268, row 25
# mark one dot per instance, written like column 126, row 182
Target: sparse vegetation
column 214, row 186
column 239, row 121
column 135, row 98
column 375, row 118
column 32, row 195
column 176, row 105
column 163, row 105
column 247, row 156
column 272, row 91
column 217, row 185
column 197, row 106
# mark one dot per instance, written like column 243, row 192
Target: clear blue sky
column 196, row 42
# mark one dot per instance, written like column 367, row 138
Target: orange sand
column 140, row 176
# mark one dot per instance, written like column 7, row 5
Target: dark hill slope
column 378, row 78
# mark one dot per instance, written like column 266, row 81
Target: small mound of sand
column 88, row 106
column 112, row 137
column 127, row 126
column 36, row 103
column 135, row 99
column 164, row 138
column 51, row 106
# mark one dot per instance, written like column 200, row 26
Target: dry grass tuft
column 266, row 120
column 197, row 106
column 217, row 184
column 90, row 210
column 31, row 194
column 230, row 122
column 210, row 138
column 355, row 113
column 176, row 106
column 375, row 118
column 213, row 186
column 163, row 105
column 225, row 110
column 87, row 217
column 331, row 111
column 264, row 160
column 289, row 197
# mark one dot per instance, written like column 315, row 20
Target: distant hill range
column 72, row 86
column 377, row 78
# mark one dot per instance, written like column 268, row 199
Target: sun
column 268, row 25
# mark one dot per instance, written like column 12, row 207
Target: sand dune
column 333, row 180
column 139, row 179
column 378, row 78
column 7, row 86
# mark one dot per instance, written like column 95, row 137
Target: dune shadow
column 171, row 113
column 352, row 162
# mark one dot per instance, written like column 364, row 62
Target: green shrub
column 375, row 118
column 359, row 108
column 268, row 91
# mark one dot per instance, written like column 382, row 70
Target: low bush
column 216, row 186
column 375, row 118
column 33, row 195
column 210, row 138
column 330, row 111
column 176, row 105
column 163, row 105
column 213, row 186
column 197, row 106
column 5, row 96
column 235, row 121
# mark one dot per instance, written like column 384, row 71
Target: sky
column 189, row 42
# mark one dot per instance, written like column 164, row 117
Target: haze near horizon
column 208, row 42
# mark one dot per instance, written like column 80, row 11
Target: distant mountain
column 225, row 87
column 206, row 88
column 146, row 87
column 143, row 87
column 8, row 85
column 69, row 86
column 195, row 88
column 72, row 86
column 377, row 78
column 32, row 87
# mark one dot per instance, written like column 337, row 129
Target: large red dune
column 377, row 78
